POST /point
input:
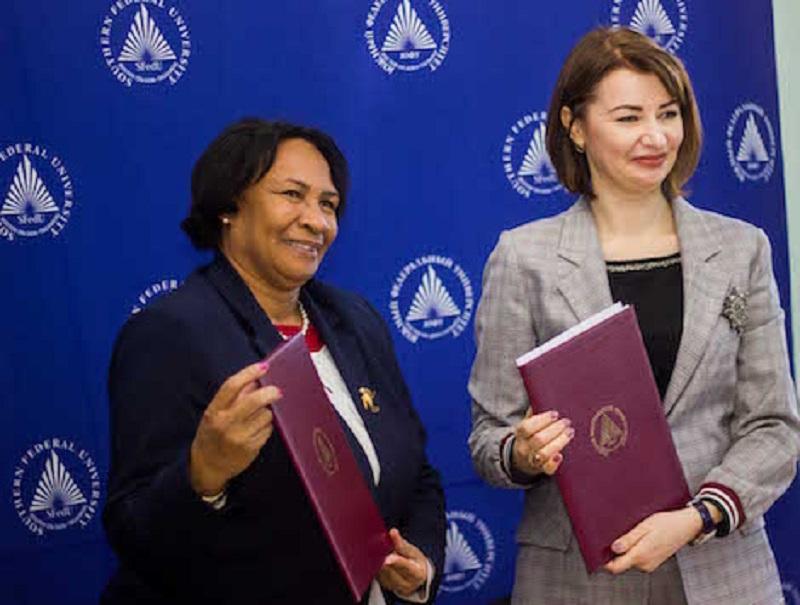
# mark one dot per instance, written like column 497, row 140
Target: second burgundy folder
column 621, row 466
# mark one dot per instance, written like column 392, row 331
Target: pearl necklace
column 305, row 322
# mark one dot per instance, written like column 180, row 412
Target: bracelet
column 217, row 501
column 709, row 527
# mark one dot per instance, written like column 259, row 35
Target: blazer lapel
column 265, row 338
column 704, row 286
column 342, row 344
column 583, row 281
column 343, row 347
column 582, row 277
column 235, row 292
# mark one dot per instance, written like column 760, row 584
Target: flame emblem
column 432, row 300
column 145, row 42
column 459, row 556
column 27, row 192
column 751, row 148
column 326, row 453
column 407, row 31
column 537, row 160
column 651, row 19
column 609, row 430
column 56, row 489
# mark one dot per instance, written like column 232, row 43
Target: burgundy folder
column 310, row 428
column 621, row 466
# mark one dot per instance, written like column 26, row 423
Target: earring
column 225, row 220
column 578, row 148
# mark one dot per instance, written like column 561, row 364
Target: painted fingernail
column 617, row 547
column 553, row 415
column 557, row 458
column 280, row 393
column 570, row 432
column 263, row 366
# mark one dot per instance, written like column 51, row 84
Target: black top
column 654, row 287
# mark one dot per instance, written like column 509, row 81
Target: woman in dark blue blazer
column 204, row 505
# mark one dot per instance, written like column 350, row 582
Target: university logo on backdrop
column 665, row 21
column 406, row 35
column 56, row 485
column 751, row 145
column 154, row 291
column 526, row 163
column 469, row 555
column 431, row 298
column 36, row 189
column 145, row 41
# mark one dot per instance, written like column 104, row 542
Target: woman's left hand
column 655, row 540
column 405, row 569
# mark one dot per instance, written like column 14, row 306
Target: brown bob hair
column 597, row 54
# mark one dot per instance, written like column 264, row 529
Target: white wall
column 787, row 49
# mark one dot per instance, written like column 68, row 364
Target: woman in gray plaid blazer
column 624, row 132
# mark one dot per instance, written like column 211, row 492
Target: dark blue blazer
column 266, row 545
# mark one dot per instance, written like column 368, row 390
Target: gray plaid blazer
column 730, row 403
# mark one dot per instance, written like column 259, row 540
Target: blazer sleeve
column 504, row 330
column 154, row 520
column 762, row 459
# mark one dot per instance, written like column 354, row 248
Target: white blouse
column 343, row 403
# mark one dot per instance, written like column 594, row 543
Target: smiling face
column 631, row 131
column 286, row 221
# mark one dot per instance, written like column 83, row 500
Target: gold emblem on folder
column 609, row 430
column 368, row 400
column 326, row 453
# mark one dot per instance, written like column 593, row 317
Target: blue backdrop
column 438, row 105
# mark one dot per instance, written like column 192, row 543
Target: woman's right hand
column 538, row 441
column 235, row 426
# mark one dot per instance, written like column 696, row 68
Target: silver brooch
column 734, row 309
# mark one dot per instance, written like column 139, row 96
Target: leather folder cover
column 621, row 466
column 310, row 428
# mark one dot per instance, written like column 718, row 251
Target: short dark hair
column 597, row 54
column 238, row 158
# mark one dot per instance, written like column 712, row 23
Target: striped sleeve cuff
column 727, row 501
column 506, row 446
column 507, row 464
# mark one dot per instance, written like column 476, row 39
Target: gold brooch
column 734, row 309
column 368, row 400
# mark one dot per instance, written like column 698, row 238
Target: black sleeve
column 154, row 520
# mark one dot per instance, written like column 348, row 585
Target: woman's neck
column 634, row 225
column 280, row 304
